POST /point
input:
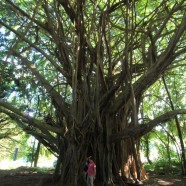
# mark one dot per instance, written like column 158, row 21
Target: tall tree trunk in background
column 147, row 148
column 37, row 154
column 183, row 158
column 168, row 152
column 33, row 152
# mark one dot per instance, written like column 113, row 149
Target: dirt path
column 23, row 177
column 159, row 180
column 27, row 177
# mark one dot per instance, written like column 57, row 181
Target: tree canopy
column 75, row 74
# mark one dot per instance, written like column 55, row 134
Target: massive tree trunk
column 70, row 170
column 120, row 158
column 104, row 154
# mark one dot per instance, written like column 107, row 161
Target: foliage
column 11, row 137
column 163, row 167
column 82, row 70
column 164, row 138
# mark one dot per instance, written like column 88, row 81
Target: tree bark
column 70, row 170
column 37, row 154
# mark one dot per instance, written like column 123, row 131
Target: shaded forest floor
column 23, row 176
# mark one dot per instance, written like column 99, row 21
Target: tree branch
column 158, row 68
column 28, row 119
column 141, row 130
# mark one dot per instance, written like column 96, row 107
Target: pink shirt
column 91, row 169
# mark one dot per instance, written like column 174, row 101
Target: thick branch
column 49, row 58
column 54, row 94
column 28, row 119
column 158, row 68
column 141, row 130
column 22, row 12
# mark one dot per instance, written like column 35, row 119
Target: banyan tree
column 77, row 71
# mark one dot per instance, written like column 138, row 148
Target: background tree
column 166, row 134
column 80, row 69
column 11, row 137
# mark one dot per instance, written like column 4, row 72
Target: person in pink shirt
column 91, row 172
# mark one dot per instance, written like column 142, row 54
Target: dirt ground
column 27, row 177
column 162, row 180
